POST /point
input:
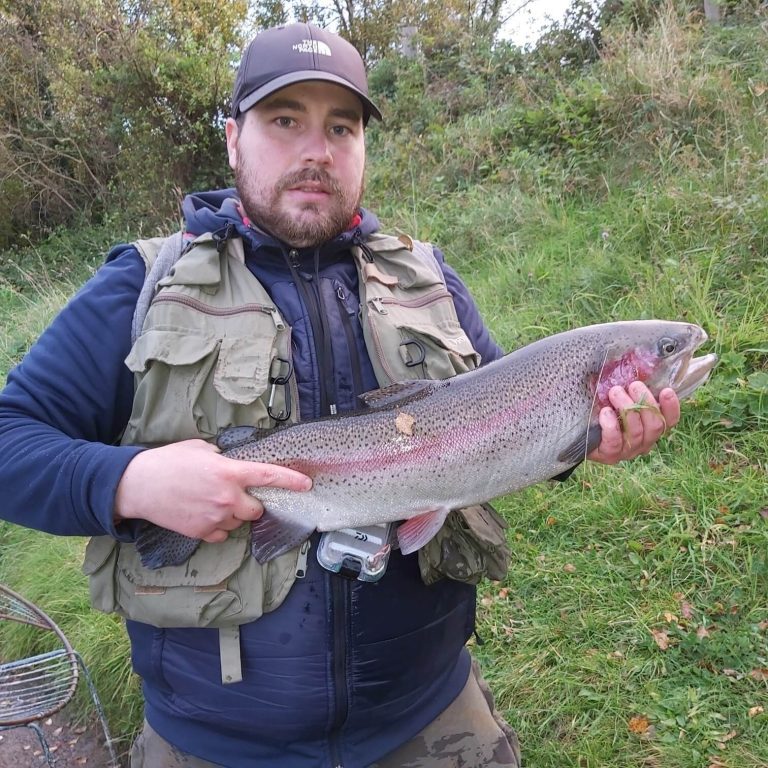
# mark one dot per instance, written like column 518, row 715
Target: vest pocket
column 193, row 385
column 430, row 340
column 221, row 585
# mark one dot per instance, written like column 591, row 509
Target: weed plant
column 632, row 628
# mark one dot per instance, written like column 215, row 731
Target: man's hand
column 635, row 423
column 190, row 488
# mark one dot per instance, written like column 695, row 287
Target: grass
column 632, row 628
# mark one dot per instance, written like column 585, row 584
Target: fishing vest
column 211, row 349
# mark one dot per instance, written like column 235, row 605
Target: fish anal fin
column 579, row 448
column 271, row 537
column 399, row 394
column 413, row 534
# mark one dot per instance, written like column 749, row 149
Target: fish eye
column 667, row 347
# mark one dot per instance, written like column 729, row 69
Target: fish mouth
column 692, row 373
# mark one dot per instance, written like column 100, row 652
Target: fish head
column 656, row 352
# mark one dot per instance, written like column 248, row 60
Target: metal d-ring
column 422, row 352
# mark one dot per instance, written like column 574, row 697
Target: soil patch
column 73, row 744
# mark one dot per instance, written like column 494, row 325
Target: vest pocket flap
column 171, row 347
column 209, row 566
column 242, row 370
column 447, row 335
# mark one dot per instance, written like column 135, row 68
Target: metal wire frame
column 36, row 687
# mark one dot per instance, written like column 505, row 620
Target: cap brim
column 300, row 77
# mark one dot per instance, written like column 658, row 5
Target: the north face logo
column 312, row 46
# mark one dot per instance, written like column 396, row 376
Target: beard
column 310, row 227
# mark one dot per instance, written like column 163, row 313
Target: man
column 264, row 314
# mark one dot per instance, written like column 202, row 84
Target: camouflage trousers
column 470, row 733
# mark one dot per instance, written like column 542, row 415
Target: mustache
column 316, row 175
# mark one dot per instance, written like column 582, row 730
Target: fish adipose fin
column 579, row 448
column 399, row 393
column 271, row 536
column 158, row 547
column 413, row 534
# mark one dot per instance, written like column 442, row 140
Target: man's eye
column 340, row 130
column 284, row 122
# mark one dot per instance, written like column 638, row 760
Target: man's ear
column 232, row 133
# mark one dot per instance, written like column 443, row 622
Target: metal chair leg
column 100, row 711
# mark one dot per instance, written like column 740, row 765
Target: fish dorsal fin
column 230, row 438
column 413, row 534
column 399, row 394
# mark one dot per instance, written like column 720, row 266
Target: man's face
column 298, row 158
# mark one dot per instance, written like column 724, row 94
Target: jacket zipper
column 357, row 376
column 340, row 590
column 323, row 355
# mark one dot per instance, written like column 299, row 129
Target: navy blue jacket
column 344, row 671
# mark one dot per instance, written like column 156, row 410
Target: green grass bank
column 632, row 628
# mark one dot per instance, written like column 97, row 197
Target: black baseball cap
column 294, row 53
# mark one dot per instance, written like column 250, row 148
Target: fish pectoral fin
column 413, row 534
column 158, row 547
column 400, row 393
column 271, row 536
column 585, row 443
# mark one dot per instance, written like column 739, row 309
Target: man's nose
column 317, row 148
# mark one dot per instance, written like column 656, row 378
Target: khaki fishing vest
column 206, row 359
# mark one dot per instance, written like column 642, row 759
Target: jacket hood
column 214, row 211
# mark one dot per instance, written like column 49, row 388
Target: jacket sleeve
column 468, row 314
column 64, row 408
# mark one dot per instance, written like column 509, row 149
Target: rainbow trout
column 422, row 448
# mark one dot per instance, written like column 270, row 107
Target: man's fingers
column 256, row 475
column 670, row 407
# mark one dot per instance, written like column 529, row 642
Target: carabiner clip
column 280, row 380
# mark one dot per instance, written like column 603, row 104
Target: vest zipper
column 422, row 301
column 323, row 353
column 207, row 309
column 357, row 376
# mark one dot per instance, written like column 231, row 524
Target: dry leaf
column 670, row 617
column 58, row 731
column 686, row 610
column 725, row 739
column 755, row 711
column 762, row 626
column 551, row 520
column 732, row 673
column 702, row 632
column 81, row 760
column 761, row 675
column 569, row 568
column 638, row 724
column 503, row 592
column 764, row 513
column 661, row 638
column 404, row 423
